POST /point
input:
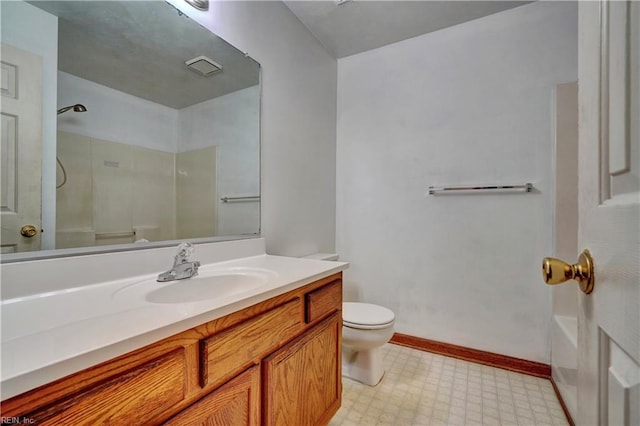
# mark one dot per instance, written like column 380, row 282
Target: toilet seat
column 366, row 316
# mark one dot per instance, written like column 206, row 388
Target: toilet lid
column 366, row 314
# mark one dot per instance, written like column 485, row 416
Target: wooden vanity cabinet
column 275, row 363
column 313, row 394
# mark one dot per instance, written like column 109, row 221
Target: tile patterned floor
column 421, row 388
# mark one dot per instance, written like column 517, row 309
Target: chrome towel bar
column 247, row 198
column 527, row 187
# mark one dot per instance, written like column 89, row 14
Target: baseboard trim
column 562, row 404
column 505, row 362
column 491, row 359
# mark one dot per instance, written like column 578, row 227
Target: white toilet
column 365, row 327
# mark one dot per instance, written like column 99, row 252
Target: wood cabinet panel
column 323, row 301
column 302, row 383
column 233, row 350
column 134, row 397
column 236, row 403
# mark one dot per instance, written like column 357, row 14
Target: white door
column 609, row 218
column 21, row 152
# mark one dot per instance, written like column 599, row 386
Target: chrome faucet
column 182, row 267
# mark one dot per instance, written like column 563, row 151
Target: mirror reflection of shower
column 75, row 108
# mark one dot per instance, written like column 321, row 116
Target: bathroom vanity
column 274, row 360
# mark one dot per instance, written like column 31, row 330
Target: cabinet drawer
column 323, row 301
column 134, row 397
column 225, row 354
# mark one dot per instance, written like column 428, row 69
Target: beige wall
column 112, row 189
column 196, row 193
column 154, row 194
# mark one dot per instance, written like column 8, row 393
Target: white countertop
column 48, row 335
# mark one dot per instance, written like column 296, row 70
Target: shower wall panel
column 231, row 123
column 112, row 189
column 75, row 197
column 154, row 192
column 196, row 193
column 112, row 175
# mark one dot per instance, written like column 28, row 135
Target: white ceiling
column 143, row 45
column 360, row 25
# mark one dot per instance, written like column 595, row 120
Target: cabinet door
column 302, row 383
column 237, row 403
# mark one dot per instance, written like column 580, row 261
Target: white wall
column 116, row 116
column 29, row 28
column 467, row 104
column 232, row 123
column 298, row 121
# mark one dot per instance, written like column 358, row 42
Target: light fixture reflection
column 199, row 4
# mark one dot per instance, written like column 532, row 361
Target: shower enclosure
column 564, row 326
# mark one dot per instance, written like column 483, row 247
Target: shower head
column 76, row 108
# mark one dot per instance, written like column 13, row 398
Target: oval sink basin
column 208, row 285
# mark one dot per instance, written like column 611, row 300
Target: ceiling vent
column 203, row 66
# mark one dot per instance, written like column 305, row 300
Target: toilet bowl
column 365, row 328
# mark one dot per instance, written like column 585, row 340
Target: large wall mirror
column 124, row 124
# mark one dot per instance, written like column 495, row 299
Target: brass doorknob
column 555, row 271
column 28, row 231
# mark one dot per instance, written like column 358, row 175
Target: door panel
column 609, row 213
column 622, row 378
column 21, row 148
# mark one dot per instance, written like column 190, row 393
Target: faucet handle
column 185, row 250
